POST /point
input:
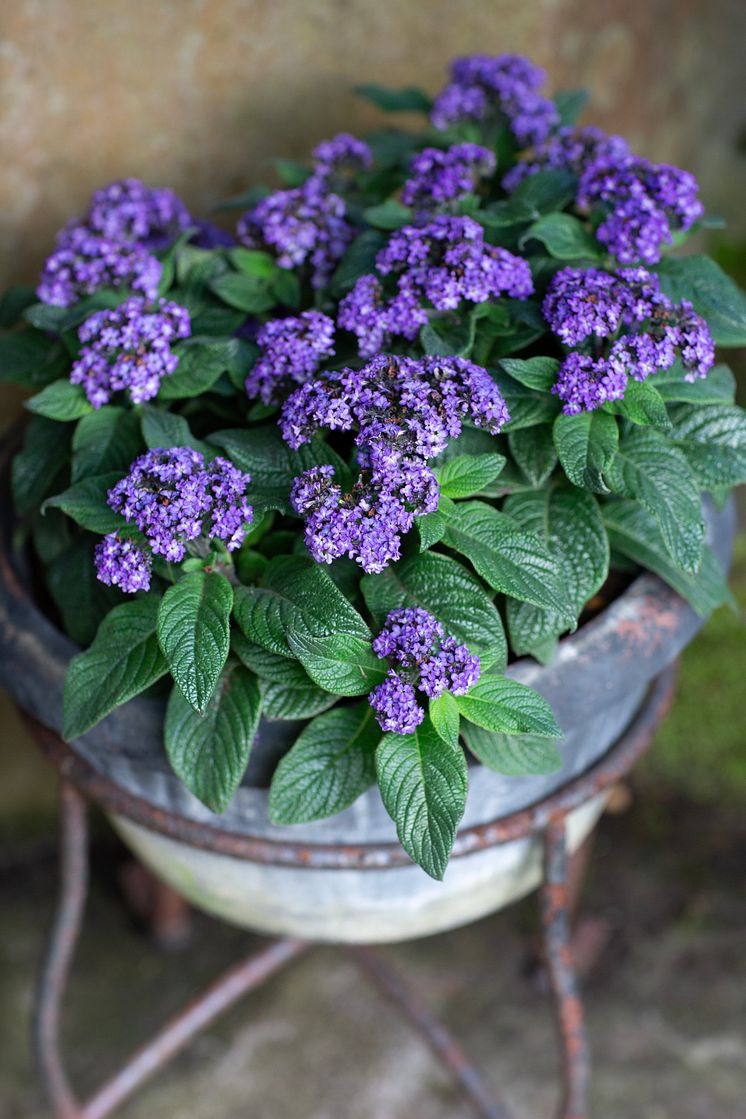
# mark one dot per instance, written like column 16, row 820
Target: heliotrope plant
column 337, row 468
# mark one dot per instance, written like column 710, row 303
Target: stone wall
column 198, row 94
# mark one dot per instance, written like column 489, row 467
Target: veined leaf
column 586, row 444
column 713, row 438
column 533, row 450
column 105, row 441
column 194, row 633
column 466, row 475
column 85, row 503
column 515, row 755
column 60, row 401
column 500, row 704
column 712, row 293
column 445, row 717
column 338, row 663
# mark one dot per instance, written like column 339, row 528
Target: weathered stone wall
column 197, row 94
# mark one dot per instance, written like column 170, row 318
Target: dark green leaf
column 60, row 401
column 442, row 586
column 509, row 559
column 166, row 429
column 526, row 407
column 642, row 404
column 533, row 450
column 564, row 237
column 713, row 438
column 201, row 362
column 423, row 784
column 537, row 373
column 444, row 715
column 210, row 752
column 37, row 467
column 13, row 302
column 31, row 359
column 654, row 472
column 466, row 475
column 515, row 755
column 570, row 104
column 543, row 192
column 194, row 633
column 85, row 503
column 105, row 441
column 409, row 100
column 358, row 260
column 586, row 444
column 718, row 387
column 339, row 662
column 498, row 703
column 251, row 294
column 712, row 293
column 123, row 661
column 388, row 215
column 82, row 600
column 432, row 526
column 331, row 764
column 295, row 701
column 634, row 533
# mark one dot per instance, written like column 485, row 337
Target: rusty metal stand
column 546, row 819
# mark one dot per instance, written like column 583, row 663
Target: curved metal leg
column 561, row 970
column 62, row 941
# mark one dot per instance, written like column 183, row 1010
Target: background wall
column 197, row 94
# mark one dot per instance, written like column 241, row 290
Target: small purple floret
column 291, row 352
column 84, row 262
column 120, row 563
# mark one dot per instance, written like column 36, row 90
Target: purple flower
column 395, row 704
column 174, row 497
column 485, row 87
column 408, row 636
column 291, row 352
column 120, row 563
column 584, row 383
column 128, row 348
column 304, row 226
column 695, row 342
column 643, row 203
column 338, row 160
column 581, row 302
column 441, row 264
column 84, row 262
column 453, row 668
column 569, row 149
column 127, row 210
column 439, row 177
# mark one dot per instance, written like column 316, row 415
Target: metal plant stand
column 80, row 783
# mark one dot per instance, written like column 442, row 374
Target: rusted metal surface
column 555, row 921
column 450, row 1054
column 371, row 856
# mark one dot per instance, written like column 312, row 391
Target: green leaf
column 718, row 387
column 272, row 464
column 444, row 715
column 194, row 633
column 338, row 663
column 564, row 237
column 586, row 444
column 201, row 362
column 543, row 192
column 569, row 524
column 466, row 475
column 210, row 752
column 500, row 704
column 123, row 661
column 85, row 503
column 388, row 215
column 654, row 472
column 13, row 302
column 296, row 594
column 60, row 401
column 330, row 765
column 509, row 559
column 526, row 406
column 634, row 533
column 533, row 450
column 515, row 755
column 712, row 293
column 105, row 441
column 31, row 359
column 423, row 784
column 36, row 468
column 358, row 260
column 166, row 429
column 252, row 294
column 270, row 667
column 82, row 600
column 642, row 404
column 713, row 438
column 537, row 373
column 570, row 104
column 408, row 100
column 295, row 701
column 432, row 526
column 442, row 586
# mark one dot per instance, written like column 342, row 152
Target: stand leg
column 446, row 1048
column 62, row 941
column 560, row 967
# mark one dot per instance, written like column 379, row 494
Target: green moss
column 700, row 751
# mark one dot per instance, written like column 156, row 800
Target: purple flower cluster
column 83, row 262
column 120, row 563
column 642, row 202
column 291, row 351
column 439, row 177
column 403, row 411
column 306, row 225
column 437, row 265
column 129, row 348
column 569, row 149
column 337, row 161
column 173, row 496
column 506, row 85
column 588, row 304
column 424, row 660
column 128, row 210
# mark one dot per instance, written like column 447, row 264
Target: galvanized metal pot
column 595, row 686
